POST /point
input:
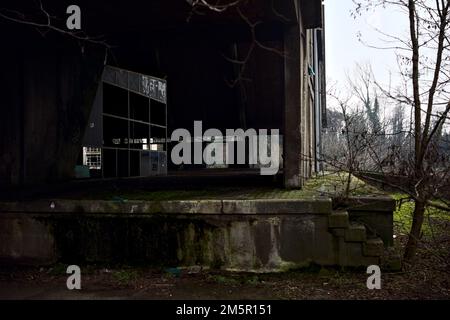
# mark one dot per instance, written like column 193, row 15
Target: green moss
column 224, row 280
column 253, row 280
column 403, row 216
column 334, row 184
column 236, row 279
column 58, row 269
column 328, row 184
column 125, row 276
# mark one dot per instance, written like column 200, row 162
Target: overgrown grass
column 236, row 279
column 125, row 276
column 328, row 184
column 334, row 184
column 404, row 213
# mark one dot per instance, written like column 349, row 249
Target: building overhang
column 312, row 13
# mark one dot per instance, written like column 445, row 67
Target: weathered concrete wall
column 258, row 235
column 26, row 240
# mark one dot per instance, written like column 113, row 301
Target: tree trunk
column 411, row 246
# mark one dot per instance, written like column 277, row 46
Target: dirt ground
column 428, row 278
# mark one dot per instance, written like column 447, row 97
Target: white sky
column 344, row 50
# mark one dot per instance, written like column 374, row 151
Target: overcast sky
column 343, row 49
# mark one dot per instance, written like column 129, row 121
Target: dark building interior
column 49, row 79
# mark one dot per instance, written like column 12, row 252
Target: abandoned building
column 105, row 109
column 52, row 84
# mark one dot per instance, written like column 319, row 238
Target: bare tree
column 240, row 62
column 363, row 86
column 346, row 153
column 43, row 22
column 425, row 60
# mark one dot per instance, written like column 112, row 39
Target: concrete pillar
column 292, row 107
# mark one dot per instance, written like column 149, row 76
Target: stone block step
column 351, row 255
column 356, row 232
column 338, row 219
column 373, row 247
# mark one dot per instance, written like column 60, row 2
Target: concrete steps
column 356, row 246
column 373, row 247
column 356, row 232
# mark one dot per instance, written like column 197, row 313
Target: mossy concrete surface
column 261, row 235
column 263, row 206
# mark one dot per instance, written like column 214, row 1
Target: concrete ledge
column 351, row 255
column 378, row 203
column 355, row 233
column 373, row 248
column 338, row 220
column 376, row 213
column 338, row 232
column 112, row 207
column 269, row 206
column 316, row 206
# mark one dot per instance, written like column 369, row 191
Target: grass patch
column 125, row 276
column 220, row 279
column 58, row 269
column 327, row 184
column 404, row 213
column 237, row 279
column 334, row 184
